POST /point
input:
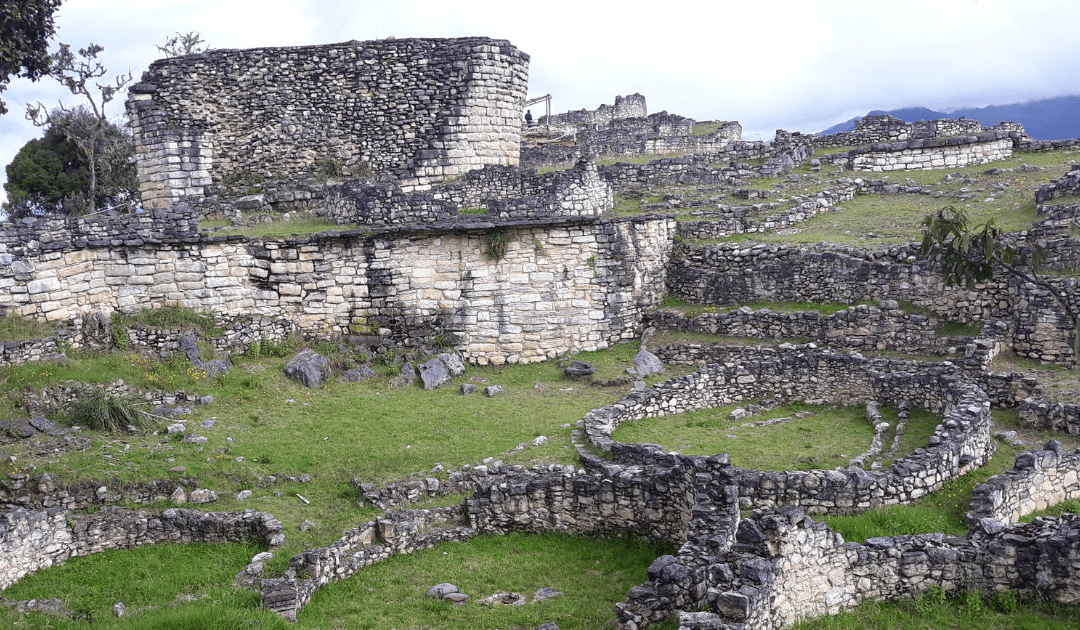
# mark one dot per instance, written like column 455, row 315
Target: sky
column 799, row 65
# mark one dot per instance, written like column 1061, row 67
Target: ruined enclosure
column 414, row 111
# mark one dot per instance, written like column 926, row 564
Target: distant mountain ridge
column 1047, row 119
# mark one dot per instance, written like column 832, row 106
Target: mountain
column 1047, row 119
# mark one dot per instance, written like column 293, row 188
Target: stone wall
column 1039, row 479
column 35, row 236
column 562, row 284
column 374, row 541
column 415, row 111
column 1067, row 184
column 1046, row 416
column 725, row 220
column 885, row 128
column 784, row 567
column 859, row 327
column 653, row 503
column 961, row 443
column 630, row 106
column 41, row 539
column 505, row 192
column 954, row 152
column 238, row 332
column 716, row 275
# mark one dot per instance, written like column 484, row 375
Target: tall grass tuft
column 103, row 411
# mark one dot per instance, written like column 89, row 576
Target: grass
column 171, row 316
column 162, row 586
column 827, row 439
column 334, row 433
column 625, row 206
column 958, row 611
column 706, row 129
column 592, row 575
column 887, row 219
column 369, row 430
column 298, row 226
column 693, row 310
column 15, row 327
column 99, row 410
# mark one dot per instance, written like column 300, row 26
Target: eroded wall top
column 414, row 111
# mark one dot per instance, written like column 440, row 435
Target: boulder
column 454, row 365
column 202, row 495
column 579, row 369
column 440, row 591
column 358, row 375
column 308, row 367
column 407, row 376
column 647, row 363
column 434, row 374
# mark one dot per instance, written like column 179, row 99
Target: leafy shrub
column 102, row 411
column 930, row 600
column 120, row 337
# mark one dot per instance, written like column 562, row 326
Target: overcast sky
column 800, row 65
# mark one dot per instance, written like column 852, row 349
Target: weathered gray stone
column 579, row 369
column 492, row 391
column 308, row 367
column 434, row 373
column 454, row 366
column 202, row 495
column 647, row 363
column 440, row 591
column 358, row 375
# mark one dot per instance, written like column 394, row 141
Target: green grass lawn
column 828, row 438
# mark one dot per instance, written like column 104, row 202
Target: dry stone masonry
column 415, row 111
column 585, row 285
column 1039, row 479
column 40, row 539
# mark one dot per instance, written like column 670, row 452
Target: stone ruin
column 416, row 111
column 424, row 263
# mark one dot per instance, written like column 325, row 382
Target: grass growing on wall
column 15, row 327
column 171, row 316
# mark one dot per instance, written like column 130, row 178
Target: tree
column 51, row 175
column 89, row 133
column 182, row 44
column 44, row 173
column 26, row 26
column 971, row 254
